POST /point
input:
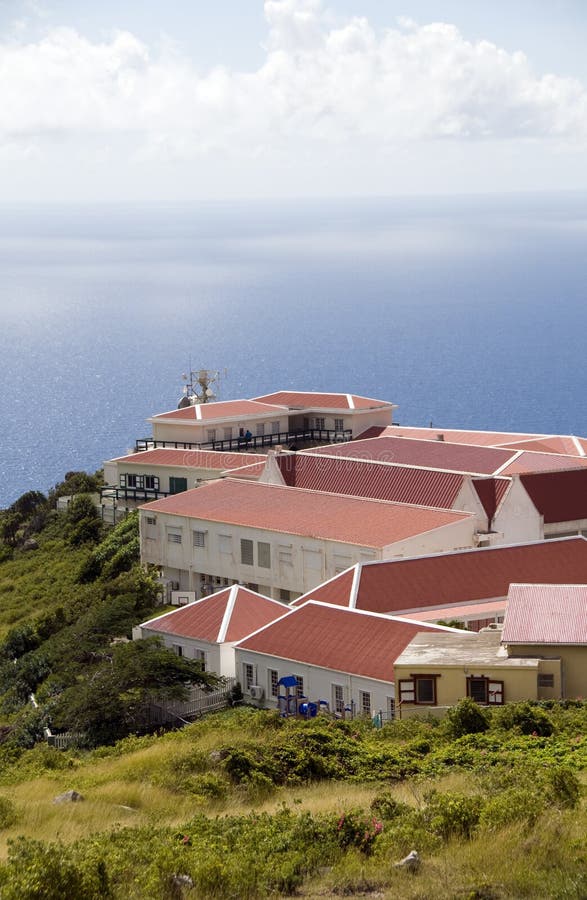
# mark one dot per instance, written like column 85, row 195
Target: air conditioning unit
column 257, row 691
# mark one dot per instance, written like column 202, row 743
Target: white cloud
column 322, row 83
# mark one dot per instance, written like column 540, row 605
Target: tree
column 113, row 700
column 83, row 521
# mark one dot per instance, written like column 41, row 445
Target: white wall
column 318, row 682
column 189, row 646
column 517, row 520
column 196, row 431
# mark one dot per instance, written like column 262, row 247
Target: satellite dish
column 209, row 392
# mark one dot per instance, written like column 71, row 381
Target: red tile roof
column 343, row 640
column 362, row 478
column 546, row 614
column 195, row 459
column 530, row 461
column 451, row 435
column 491, row 492
column 545, row 443
column 223, row 409
column 430, row 454
column 311, row 400
column 228, row 615
column 481, row 610
column 351, row 520
column 558, row 496
column 399, row 585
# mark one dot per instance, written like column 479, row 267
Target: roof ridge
column 228, row 610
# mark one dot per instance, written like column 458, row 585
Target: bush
column 526, row 718
column 453, row 815
column 467, row 717
column 8, row 814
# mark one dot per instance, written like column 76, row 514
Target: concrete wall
column 517, row 520
column 318, row 682
column 573, row 662
column 297, row 563
column 195, row 431
column 133, row 465
column 451, row 685
column 189, row 647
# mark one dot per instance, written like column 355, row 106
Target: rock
column 411, row 862
column 68, row 797
column 30, row 544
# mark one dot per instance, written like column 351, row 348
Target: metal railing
column 254, row 442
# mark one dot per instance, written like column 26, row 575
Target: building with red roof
column 284, row 540
column 442, row 583
column 208, row 629
column 342, row 657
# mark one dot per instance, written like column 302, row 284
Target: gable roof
column 429, row 454
column 228, row 615
column 547, row 443
column 315, row 400
column 445, row 579
column 558, row 496
column 222, row 409
column 351, row 520
column 527, row 461
column 375, row 480
column 491, row 492
column 194, row 459
column 546, row 614
column 343, row 640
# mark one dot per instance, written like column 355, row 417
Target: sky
column 197, row 100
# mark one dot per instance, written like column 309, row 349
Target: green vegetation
column 244, row 804
column 70, row 593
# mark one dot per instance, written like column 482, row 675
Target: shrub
column 467, row 717
column 563, row 786
column 354, row 829
column 526, row 718
column 8, row 814
column 453, row 815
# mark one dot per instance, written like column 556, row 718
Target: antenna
column 199, row 387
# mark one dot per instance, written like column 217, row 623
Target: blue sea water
column 465, row 312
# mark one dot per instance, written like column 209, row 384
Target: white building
column 283, row 541
column 341, row 657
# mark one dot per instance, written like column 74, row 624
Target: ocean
column 466, row 312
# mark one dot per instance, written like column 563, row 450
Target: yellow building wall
column 573, row 675
column 451, row 685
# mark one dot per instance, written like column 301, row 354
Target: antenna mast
column 198, row 387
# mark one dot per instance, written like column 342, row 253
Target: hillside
column 244, row 804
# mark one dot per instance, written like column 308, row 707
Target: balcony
column 255, row 442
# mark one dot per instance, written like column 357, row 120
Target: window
column 419, row 689
column 227, row 432
column 341, row 562
column 284, row 596
column 211, row 434
column 225, row 543
column 248, row 675
column 319, row 423
column 174, row 537
column 485, row 690
column 199, row 538
column 275, row 427
column 177, row 649
column 365, row 703
column 177, row 485
column 247, row 552
column 264, row 555
column 200, row 657
column 273, row 680
column 150, row 520
column 546, row 680
column 339, row 424
column 299, row 686
column 132, row 481
column 285, row 555
column 260, row 429
column 338, row 699
column 152, row 482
